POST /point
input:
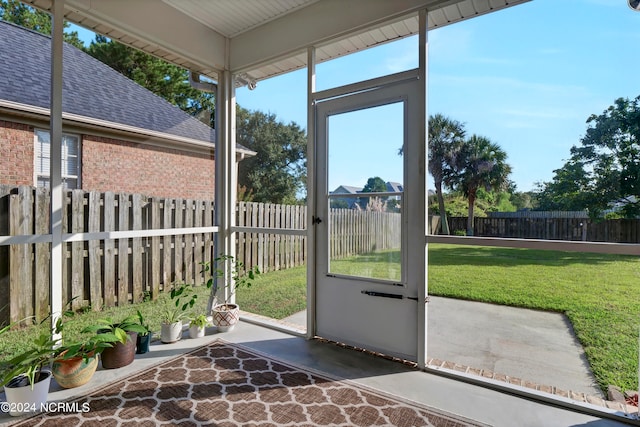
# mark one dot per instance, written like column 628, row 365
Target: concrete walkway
column 532, row 345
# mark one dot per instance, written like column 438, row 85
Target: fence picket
column 95, row 255
column 77, row 251
column 110, row 270
column 42, row 256
column 123, row 250
column 178, row 268
column 20, row 223
column 155, row 254
column 137, row 214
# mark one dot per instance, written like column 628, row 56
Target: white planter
column 196, row 331
column 23, row 399
column 225, row 316
column 170, row 332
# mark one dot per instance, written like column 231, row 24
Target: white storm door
column 365, row 295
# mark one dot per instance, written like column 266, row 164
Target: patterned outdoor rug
column 225, row 384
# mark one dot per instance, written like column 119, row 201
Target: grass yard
column 598, row 293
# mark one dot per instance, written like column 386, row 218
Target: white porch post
column 55, row 218
column 416, row 239
column 225, row 173
column 311, row 197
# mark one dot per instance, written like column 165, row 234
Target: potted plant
column 26, row 376
column 174, row 306
column 123, row 334
column 197, row 326
column 144, row 338
column 75, row 362
column 226, row 314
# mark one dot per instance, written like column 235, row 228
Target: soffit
column 262, row 38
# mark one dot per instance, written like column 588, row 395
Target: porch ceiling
column 261, row 38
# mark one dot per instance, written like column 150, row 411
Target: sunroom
column 231, row 44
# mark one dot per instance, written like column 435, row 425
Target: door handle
column 382, row 294
column 315, row 220
column 387, row 295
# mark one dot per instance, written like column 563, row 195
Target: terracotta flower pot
column 120, row 354
column 75, row 371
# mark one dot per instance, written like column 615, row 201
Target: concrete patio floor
column 480, row 403
column 532, row 345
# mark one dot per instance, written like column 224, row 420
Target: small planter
column 22, row 398
column 120, row 354
column 225, row 316
column 142, row 343
column 196, row 331
column 75, row 371
column 171, row 332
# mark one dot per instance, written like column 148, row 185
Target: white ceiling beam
column 157, row 23
column 315, row 25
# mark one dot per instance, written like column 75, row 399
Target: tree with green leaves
column 569, row 190
column 374, row 185
column 446, row 137
column 481, row 164
column 278, row 172
column 604, row 171
column 26, row 16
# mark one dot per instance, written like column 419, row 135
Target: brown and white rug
column 225, row 384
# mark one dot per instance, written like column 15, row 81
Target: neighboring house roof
column 91, row 89
column 394, row 186
column 347, row 189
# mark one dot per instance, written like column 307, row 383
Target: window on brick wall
column 70, row 159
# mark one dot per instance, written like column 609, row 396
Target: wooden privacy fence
column 104, row 272
column 271, row 251
column 352, row 232
column 575, row 229
column 98, row 272
column 355, row 232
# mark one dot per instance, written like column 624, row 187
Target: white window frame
column 66, row 139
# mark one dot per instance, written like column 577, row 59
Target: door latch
column 315, row 220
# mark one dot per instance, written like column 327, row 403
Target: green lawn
column 598, row 293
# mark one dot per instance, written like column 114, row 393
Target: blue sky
column 526, row 77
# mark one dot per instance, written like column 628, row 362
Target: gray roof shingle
column 90, row 88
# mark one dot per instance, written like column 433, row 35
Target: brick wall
column 16, row 153
column 115, row 165
column 110, row 164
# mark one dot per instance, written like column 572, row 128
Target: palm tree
column 446, row 137
column 481, row 163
